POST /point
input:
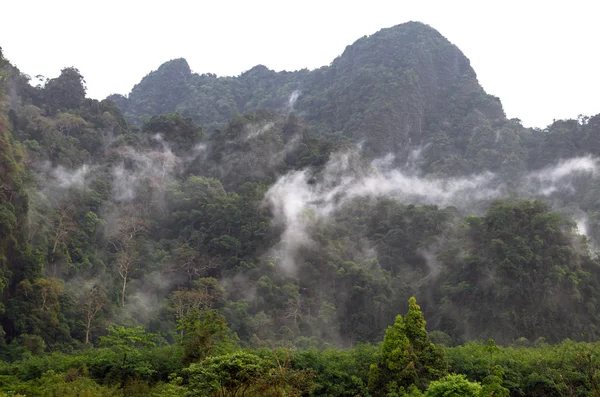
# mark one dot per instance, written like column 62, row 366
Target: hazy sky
column 540, row 57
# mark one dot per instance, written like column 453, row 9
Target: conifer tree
column 408, row 357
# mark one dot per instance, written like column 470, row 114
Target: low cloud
column 548, row 180
column 298, row 202
column 70, row 178
column 300, row 199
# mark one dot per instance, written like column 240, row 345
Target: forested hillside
column 258, row 234
column 402, row 86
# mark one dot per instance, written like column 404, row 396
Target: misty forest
column 373, row 227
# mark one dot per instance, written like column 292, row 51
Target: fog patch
column 254, row 130
column 136, row 167
column 146, row 298
column 551, row 179
column 292, row 99
column 67, row 178
column 299, row 199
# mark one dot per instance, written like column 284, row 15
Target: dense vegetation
column 257, row 235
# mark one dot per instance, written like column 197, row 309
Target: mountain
column 399, row 88
column 302, row 208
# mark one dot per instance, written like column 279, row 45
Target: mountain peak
column 178, row 65
column 411, row 44
column 387, row 89
column 418, row 27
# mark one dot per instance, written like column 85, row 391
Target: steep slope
column 17, row 263
column 401, row 87
column 386, row 87
column 277, row 221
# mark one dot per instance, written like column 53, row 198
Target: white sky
column 540, row 57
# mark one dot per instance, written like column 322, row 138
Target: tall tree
column 408, row 357
column 92, row 303
column 130, row 225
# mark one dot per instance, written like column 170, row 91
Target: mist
column 301, row 199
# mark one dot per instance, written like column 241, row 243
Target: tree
column 283, row 380
column 67, row 91
column 63, row 227
column 207, row 292
column 295, row 309
column 92, row 303
column 407, row 355
column 130, row 225
column 492, row 385
column 44, row 292
column 39, row 309
column 183, row 302
column 192, row 262
column 63, row 224
column 126, row 261
column 205, row 333
column 127, row 343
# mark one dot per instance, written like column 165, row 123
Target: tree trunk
column 123, row 292
column 87, row 331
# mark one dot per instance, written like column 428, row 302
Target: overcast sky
column 540, row 57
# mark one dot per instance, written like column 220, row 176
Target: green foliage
column 338, row 372
column 242, row 373
column 179, row 132
column 66, row 91
column 126, row 340
column 68, row 385
column 205, row 334
column 407, row 355
column 172, row 389
column 530, row 248
column 566, row 369
column 454, row 386
column 127, row 343
column 229, row 375
column 492, row 385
